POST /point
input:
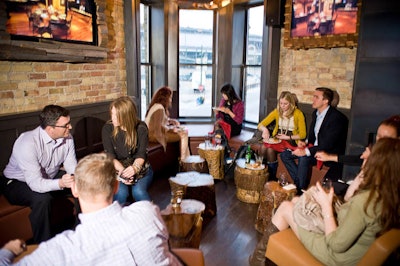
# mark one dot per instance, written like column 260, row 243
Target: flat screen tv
column 61, row 20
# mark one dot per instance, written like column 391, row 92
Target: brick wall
column 301, row 71
column 29, row 86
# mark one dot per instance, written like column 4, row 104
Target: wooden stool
column 197, row 186
column 184, row 223
column 249, row 182
column 194, row 163
column 271, row 197
column 215, row 160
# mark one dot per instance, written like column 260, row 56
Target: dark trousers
column 41, row 204
column 299, row 171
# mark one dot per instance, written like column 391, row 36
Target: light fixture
column 206, row 4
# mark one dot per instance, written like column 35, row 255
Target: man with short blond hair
column 108, row 234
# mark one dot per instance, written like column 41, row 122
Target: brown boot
column 258, row 258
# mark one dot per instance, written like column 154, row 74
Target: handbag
column 307, row 213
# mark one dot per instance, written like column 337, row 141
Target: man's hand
column 16, row 246
column 66, row 181
column 326, row 157
column 299, row 152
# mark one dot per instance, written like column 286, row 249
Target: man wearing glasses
column 33, row 176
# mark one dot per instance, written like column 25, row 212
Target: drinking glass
column 259, row 159
column 283, row 180
column 207, row 142
column 326, row 184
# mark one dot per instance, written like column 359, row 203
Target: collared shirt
column 317, row 127
column 36, row 159
column 133, row 235
column 318, row 123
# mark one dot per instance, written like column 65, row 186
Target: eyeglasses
column 64, row 126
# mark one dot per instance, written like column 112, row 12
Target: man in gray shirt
column 33, row 176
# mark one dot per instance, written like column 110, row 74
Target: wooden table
column 249, row 182
column 184, row 223
column 272, row 196
column 214, row 157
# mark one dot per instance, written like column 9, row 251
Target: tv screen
column 62, row 20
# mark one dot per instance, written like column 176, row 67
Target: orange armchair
column 284, row 248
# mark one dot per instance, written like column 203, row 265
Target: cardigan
column 299, row 122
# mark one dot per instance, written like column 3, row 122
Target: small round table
column 249, row 181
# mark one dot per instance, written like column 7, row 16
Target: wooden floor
column 229, row 238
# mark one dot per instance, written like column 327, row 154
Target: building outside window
column 145, row 65
column 252, row 64
column 195, row 63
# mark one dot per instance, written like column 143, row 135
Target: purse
column 307, row 213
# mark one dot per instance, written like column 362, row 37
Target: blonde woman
column 290, row 126
column 162, row 128
column 125, row 138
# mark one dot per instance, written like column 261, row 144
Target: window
column 252, row 64
column 195, row 63
column 145, row 65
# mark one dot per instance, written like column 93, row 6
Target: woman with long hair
column 348, row 233
column 125, row 137
column 230, row 111
column 290, row 126
column 162, row 128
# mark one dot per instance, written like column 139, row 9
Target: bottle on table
column 248, row 154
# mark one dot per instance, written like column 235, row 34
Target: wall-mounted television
column 61, row 20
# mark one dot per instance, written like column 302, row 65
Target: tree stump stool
column 197, row 186
column 249, row 181
column 184, row 223
column 272, row 196
column 214, row 157
column 194, row 163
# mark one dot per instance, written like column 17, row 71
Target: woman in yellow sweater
column 290, row 126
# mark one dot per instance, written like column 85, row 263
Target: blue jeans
column 299, row 171
column 139, row 190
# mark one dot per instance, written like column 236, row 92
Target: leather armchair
column 284, row 248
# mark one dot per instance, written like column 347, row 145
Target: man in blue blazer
column 327, row 132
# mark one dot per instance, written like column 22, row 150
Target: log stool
column 272, row 196
column 197, row 186
column 214, row 157
column 249, row 181
column 194, row 163
column 184, row 223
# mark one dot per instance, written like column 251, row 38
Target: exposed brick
column 46, row 83
column 6, row 94
column 37, row 75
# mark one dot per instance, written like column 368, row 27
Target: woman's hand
column 366, row 154
column 323, row 198
column 265, row 133
column 282, row 136
column 128, row 172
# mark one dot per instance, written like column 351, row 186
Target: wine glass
column 326, row 184
column 283, row 180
